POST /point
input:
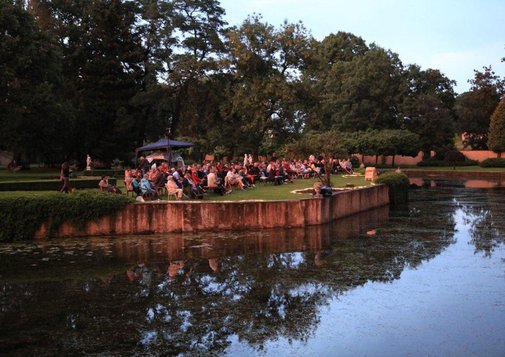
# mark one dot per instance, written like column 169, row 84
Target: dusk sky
column 454, row 36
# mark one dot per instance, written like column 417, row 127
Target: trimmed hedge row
column 398, row 184
column 103, row 172
column 49, row 185
column 24, row 212
column 495, row 162
column 439, row 163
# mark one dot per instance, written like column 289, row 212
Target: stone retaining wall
column 188, row 216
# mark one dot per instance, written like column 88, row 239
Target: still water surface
column 427, row 280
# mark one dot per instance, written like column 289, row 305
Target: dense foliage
column 23, row 213
column 445, row 163
column 103, row 77
column 475, row 107
column 496, row 141
column 495, row 162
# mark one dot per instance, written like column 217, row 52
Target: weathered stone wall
column 187, row 216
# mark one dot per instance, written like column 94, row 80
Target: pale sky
column 454, row 36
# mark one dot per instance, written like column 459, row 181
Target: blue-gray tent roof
column 163, row 144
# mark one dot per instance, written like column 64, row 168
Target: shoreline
column 193, row 216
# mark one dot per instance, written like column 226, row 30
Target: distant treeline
column 101, row 77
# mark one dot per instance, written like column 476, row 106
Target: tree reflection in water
column 190, row 294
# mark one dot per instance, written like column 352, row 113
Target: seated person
column 176, row 174
column 212, row 179
column 173, row 188
column 147, row 188
column 103, row 184
column 158, row 180
column 233, row 179
column 248, row 180
column 135, row 183
column 189, row 188
column 106, row 187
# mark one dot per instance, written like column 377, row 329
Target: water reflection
column 201, row 294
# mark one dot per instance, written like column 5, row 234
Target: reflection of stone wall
column 189, row 216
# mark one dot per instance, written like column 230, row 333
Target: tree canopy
column 103, row 77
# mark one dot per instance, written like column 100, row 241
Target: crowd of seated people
column 222, row 177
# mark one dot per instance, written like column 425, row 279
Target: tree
column 32, row 115
column 475, row 107
column 195, row 59
column 387, row 142
column 428, row 109
column 262, row 101
column 496, row 141
column 356, row 86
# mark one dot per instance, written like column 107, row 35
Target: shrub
column 24, row 212
column 496, row 137
column 100, row 172
column 441, row 163
column 49, row 185
column 398, row 184
column 495, row 162
column 454, row 155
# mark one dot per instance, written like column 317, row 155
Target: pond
column 426, row 280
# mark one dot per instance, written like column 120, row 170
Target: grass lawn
column 269, row 191
column 26, row 175
column 262, row 191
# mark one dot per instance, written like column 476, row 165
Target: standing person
column 65, row 177
column 143, row 165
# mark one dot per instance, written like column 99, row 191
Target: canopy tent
column 163, row 156
column 163, row 144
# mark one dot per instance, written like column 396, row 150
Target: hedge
column 398, row 184
column 438, row 163
column 103, row 172
column 49, row 185
column 495, row 162
column 24, row 212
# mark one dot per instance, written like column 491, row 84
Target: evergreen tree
column 496, row 140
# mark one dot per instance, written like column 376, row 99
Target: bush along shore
column 398, row 184
column 24, row 212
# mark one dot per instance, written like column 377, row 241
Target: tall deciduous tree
column 496, row 140
column 475, row 107
column 31, row 112
column 428, row 109
column 264, row 90
column 103, row 67
column 196, row 58
column 356, row 86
